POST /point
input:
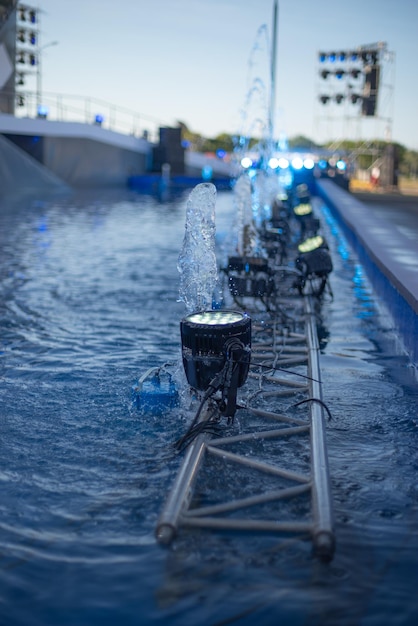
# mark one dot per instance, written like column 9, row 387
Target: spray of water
column 197, row 260
column 245, row 227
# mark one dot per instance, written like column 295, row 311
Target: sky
column 201, row 61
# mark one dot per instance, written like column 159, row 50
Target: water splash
column 255, row 114
column 197, row 260
column 246, row 232
column 255, row 119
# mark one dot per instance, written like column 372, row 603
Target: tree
column 408, row 166
column 302, row 142
column 194, row 140
column 220, row 142
column 364, row 153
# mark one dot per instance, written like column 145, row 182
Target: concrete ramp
column 21, row 175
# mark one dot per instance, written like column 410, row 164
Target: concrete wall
column 22, row 175
column 83, row 155
column 389, row 258
column 88, row 163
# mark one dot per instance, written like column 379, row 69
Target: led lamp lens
column 302, row 209
column 212, row 318
column 311, row 244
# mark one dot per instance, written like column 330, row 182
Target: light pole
column 39, row 72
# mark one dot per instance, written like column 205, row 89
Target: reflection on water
column 88, row 301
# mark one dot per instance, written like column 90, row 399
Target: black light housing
column 212, row 338
column 249, row 277
column 314, row 258
column 302, row 194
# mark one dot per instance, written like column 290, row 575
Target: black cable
column 214, row 385
column 179, row 443
column 282, row 369
column 319, row 402
column 208, row 426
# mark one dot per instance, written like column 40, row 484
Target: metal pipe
column 263, row 434
column 323, row 535
column 235, row 505
column 181, row 492
column 247, row 524
column 259, row 465
column 273, row 70
column 276, row 416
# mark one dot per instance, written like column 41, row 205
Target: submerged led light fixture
column 216, row 342
column 314, row 258
column 249, row 277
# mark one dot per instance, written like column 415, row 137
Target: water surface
column 88, row 302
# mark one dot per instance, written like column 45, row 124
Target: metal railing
column 73, row 108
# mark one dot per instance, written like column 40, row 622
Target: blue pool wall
column 397, row 289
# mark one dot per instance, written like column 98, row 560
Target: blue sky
column 189, row 60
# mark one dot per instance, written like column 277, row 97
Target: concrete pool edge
column 384, row 254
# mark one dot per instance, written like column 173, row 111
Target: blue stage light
column 322, row 57
column 332, row 56
column 341, row 165
column 246, row 162
column 297, row 163
column 322, row 164
column 43, row 111
column 207, row 172
column 99, row 119
column 308, row 163
column 283, row 163
column 274, row 163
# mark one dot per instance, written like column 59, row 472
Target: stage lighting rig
column 249, row 277
column 216, row 350
column 314, row 264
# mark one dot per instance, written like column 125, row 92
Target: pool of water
column 88, row 302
